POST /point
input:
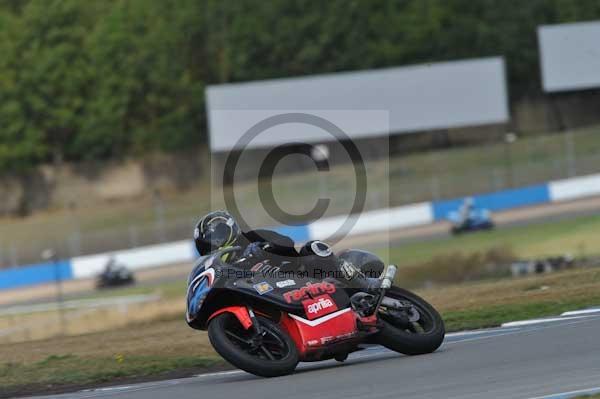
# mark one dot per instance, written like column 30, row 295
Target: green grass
column 495, row 315
column 579, row 236
column 75, row 370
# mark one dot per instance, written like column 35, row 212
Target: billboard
column 570, row 56
column 416, row 98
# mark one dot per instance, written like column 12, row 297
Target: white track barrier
column 375, row 221
column 137, row 258
column 574, row 188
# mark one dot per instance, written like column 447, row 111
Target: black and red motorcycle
column 265, row 321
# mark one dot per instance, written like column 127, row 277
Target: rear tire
column 341, row 357
column 219, row 334
column 409, row 342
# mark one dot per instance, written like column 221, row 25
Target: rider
column 218, row 230
column 465, row 210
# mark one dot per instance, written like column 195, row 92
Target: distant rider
column 464, row 213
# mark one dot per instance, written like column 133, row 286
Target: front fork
column 386, row 283
column 369, row 322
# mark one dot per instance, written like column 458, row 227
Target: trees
column 97, row 79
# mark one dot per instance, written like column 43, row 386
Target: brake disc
column 412, row 312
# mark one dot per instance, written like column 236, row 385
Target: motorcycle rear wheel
column 275, row 356
column 411, row 338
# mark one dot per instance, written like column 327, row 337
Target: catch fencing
column 414, row 178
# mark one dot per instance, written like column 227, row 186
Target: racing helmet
column 214, row 231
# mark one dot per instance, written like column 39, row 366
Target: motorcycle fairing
column 211, row 278
column 312, row 336
column 309, row 301
column 197, row 292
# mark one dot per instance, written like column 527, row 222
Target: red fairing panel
column 313, row 334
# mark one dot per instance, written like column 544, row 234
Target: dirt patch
column 155, row 338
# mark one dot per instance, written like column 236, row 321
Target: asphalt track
column 554, row 359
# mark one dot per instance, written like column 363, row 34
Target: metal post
column 133, row 237
column 50, row 255
column 159, row 209
column 14, row 259
column 509, row 138
column 435, row 187
column 74, row 244
column 74, row 241
column 570, row 153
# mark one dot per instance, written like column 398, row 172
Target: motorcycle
column 478, row 219
column 265, row 321
column 115, row 276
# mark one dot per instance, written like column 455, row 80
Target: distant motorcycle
column 265, row 323
column 114, row 275
column 477, row 219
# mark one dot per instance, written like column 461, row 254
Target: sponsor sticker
column 325, row 340
column 308, row 291
column 345, row 336
column 285, row 283
column 319, row 306
column 263, row 288
column 265, row 268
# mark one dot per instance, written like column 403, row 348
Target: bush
column 458, row 267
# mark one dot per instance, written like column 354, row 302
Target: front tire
column 411, row 338
column 275, row 357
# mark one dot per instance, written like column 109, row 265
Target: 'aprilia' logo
column 319, row 306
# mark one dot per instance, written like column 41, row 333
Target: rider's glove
column 254, row 250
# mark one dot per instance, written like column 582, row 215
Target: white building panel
column 570, row 56
column 417, row 98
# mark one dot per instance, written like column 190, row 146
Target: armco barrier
column 369, row 222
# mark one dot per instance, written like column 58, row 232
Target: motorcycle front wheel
column 416, row 330
column 271, row 354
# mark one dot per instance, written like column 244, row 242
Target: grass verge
column 578, row 236
column 57, row 372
